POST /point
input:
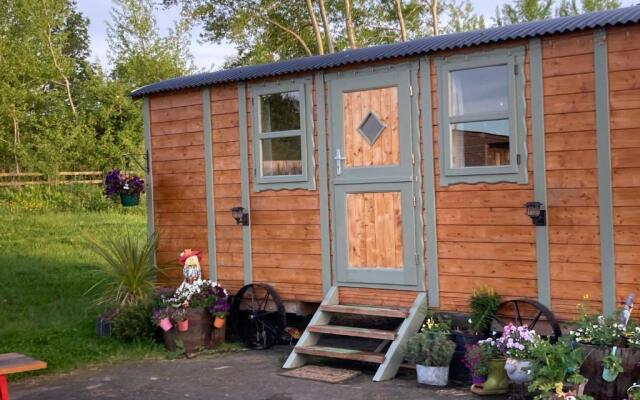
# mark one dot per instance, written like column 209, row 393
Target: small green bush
column 433, row 349
column 133, row 323
column 71, row 197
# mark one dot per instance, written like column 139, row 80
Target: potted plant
column 126, row 187
column 179, row 316
column 516, row 343
column 555, row 371
column 220, row 307
column 483, row 305
column 432, row 353
column 476, row 359
column 160, row 317
column 633, row 393
column 497, row 381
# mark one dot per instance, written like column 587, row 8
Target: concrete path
column 246, row 375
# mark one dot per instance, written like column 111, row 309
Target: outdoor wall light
column 538, row 216
column 240, row 216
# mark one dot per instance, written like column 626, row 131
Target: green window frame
column 306, row 179
column 513, row 114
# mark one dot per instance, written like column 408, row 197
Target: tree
column 571, row 7
column 523, row 11
column 462, row 17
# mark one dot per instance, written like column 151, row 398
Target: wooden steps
column 353, row 331
column 410, row 321
column 341, row 354
column 364, row 310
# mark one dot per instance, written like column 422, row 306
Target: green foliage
column 430, row 349
column 553, row 365
column 133, row 323
column 571, row 7
column 62, row 198
column 127, row 275
column 523, row 11
column 43, row 312
column 484, row 304
column 613, row 363
column 634, row 392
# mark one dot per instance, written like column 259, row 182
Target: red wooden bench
column 12, row 363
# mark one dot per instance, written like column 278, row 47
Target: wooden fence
column 62, row 178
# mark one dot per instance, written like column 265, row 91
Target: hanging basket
column 130, row 200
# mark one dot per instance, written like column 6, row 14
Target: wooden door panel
column 374, row 230
column 383, row 103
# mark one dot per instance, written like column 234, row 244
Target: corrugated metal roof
column 427, row 45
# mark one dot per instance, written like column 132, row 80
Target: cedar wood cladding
column 484, row 235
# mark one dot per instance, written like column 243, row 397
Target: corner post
column 244, row 179
column 208, row 165
column 148, row 179
column 605, row 197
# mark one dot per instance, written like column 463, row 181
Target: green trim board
column 307, row 179
column 429, row 185
column 417, row 176
column 539, row 169
column 325, row 236
column 516, row 171
column 605, row 200
column 244, row 179
column 208, row 169
column 148, row 179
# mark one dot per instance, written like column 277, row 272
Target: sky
column 207, row 56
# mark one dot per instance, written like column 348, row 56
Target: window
column 282, row 135
column 482, row 122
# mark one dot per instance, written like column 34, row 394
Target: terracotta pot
column 166, row 324
column 219, row 322
column 183, row 325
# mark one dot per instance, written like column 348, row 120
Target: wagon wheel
column 529, row 313
column 258, row 315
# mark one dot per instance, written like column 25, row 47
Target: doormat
column 322, row 374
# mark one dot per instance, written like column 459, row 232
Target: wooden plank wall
column 285, row 233
column 225, row 134
column 179, row 198
column 624, row 96
column 572, row 185
column 484, row 235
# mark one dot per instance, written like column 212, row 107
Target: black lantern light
column 240, row 216
column 537, row 215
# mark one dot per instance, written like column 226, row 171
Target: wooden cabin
column 404, row 169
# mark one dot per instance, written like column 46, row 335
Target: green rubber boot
column 497, row 381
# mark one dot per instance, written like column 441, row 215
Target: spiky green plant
column 127, row 275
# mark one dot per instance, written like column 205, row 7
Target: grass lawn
column 44, row 273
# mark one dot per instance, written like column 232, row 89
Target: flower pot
column 518, row 370
column 592, row 369
column 496, row 383
column 437, row 376
column 478, row 380
column 166, row 324
column 129, row 200
column 219, row 322
column 183, row 325
column 458, row 371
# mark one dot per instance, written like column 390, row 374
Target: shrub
column 133, row 322
column 127, row 275
column 484, row 304
column 430, row 349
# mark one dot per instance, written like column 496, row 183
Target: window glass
column 280, row 111
column 281, row 156
column 480, row 90
column 480, row 144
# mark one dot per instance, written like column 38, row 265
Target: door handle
column 339, row 160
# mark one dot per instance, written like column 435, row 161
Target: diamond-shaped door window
column 371, row 128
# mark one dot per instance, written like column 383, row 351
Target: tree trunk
column 16, row 137
column 350, row 33
column 403, row 30
column 435, row 24
column 327, row 28
column 56, row 64
column 316, row 27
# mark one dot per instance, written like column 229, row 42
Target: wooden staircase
column 410, row 321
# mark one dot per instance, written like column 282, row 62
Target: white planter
column 437, row 376
column 518, row 370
